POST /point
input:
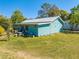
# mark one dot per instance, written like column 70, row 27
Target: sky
column 30, row 8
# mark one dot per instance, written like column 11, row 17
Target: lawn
column 57, row 46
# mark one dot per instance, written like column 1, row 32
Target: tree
column 54, row 11
column 49, row 10
column 44, row 10
column 64, row 15
column 3, row 22
column 2, row 25
column 75, row 9
column 17, row 17
column 74, row 19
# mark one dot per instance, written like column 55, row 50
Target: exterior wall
column 51, row 28
column 23, row 29
column 20, row 28
column 56, row 26
column 77, row 28
column 33, row 30
column 43, row 29
column 66, row 26
column 29, row 30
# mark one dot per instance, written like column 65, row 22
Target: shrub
column 2, row 30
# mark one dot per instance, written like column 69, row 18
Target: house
column 42, row 26
column 67, row 25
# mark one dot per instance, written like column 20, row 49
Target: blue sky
column 30, row 7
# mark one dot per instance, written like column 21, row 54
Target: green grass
column 57, row 46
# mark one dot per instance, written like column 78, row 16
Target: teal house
column 42, row 26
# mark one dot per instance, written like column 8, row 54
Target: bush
column 2, row 30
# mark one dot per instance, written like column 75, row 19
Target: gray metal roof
column 40, row 20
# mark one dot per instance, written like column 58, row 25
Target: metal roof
column 40, row 21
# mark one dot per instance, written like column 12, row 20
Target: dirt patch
column 3, row 38
column 24, row 55
column 17, row 55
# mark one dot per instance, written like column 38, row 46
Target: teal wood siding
column 56, row 26
column 44, row 30
column 53, row 27
column 33, row 30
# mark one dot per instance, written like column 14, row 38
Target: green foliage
column 3, row 22
column 46, row 6
column 73, row 10
column 2, row 19
column 44, row 10
column 54, row 12
column 49, row 10
column 74, row 16
column 17, row 17
column 64, row 14
column 57, row 12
